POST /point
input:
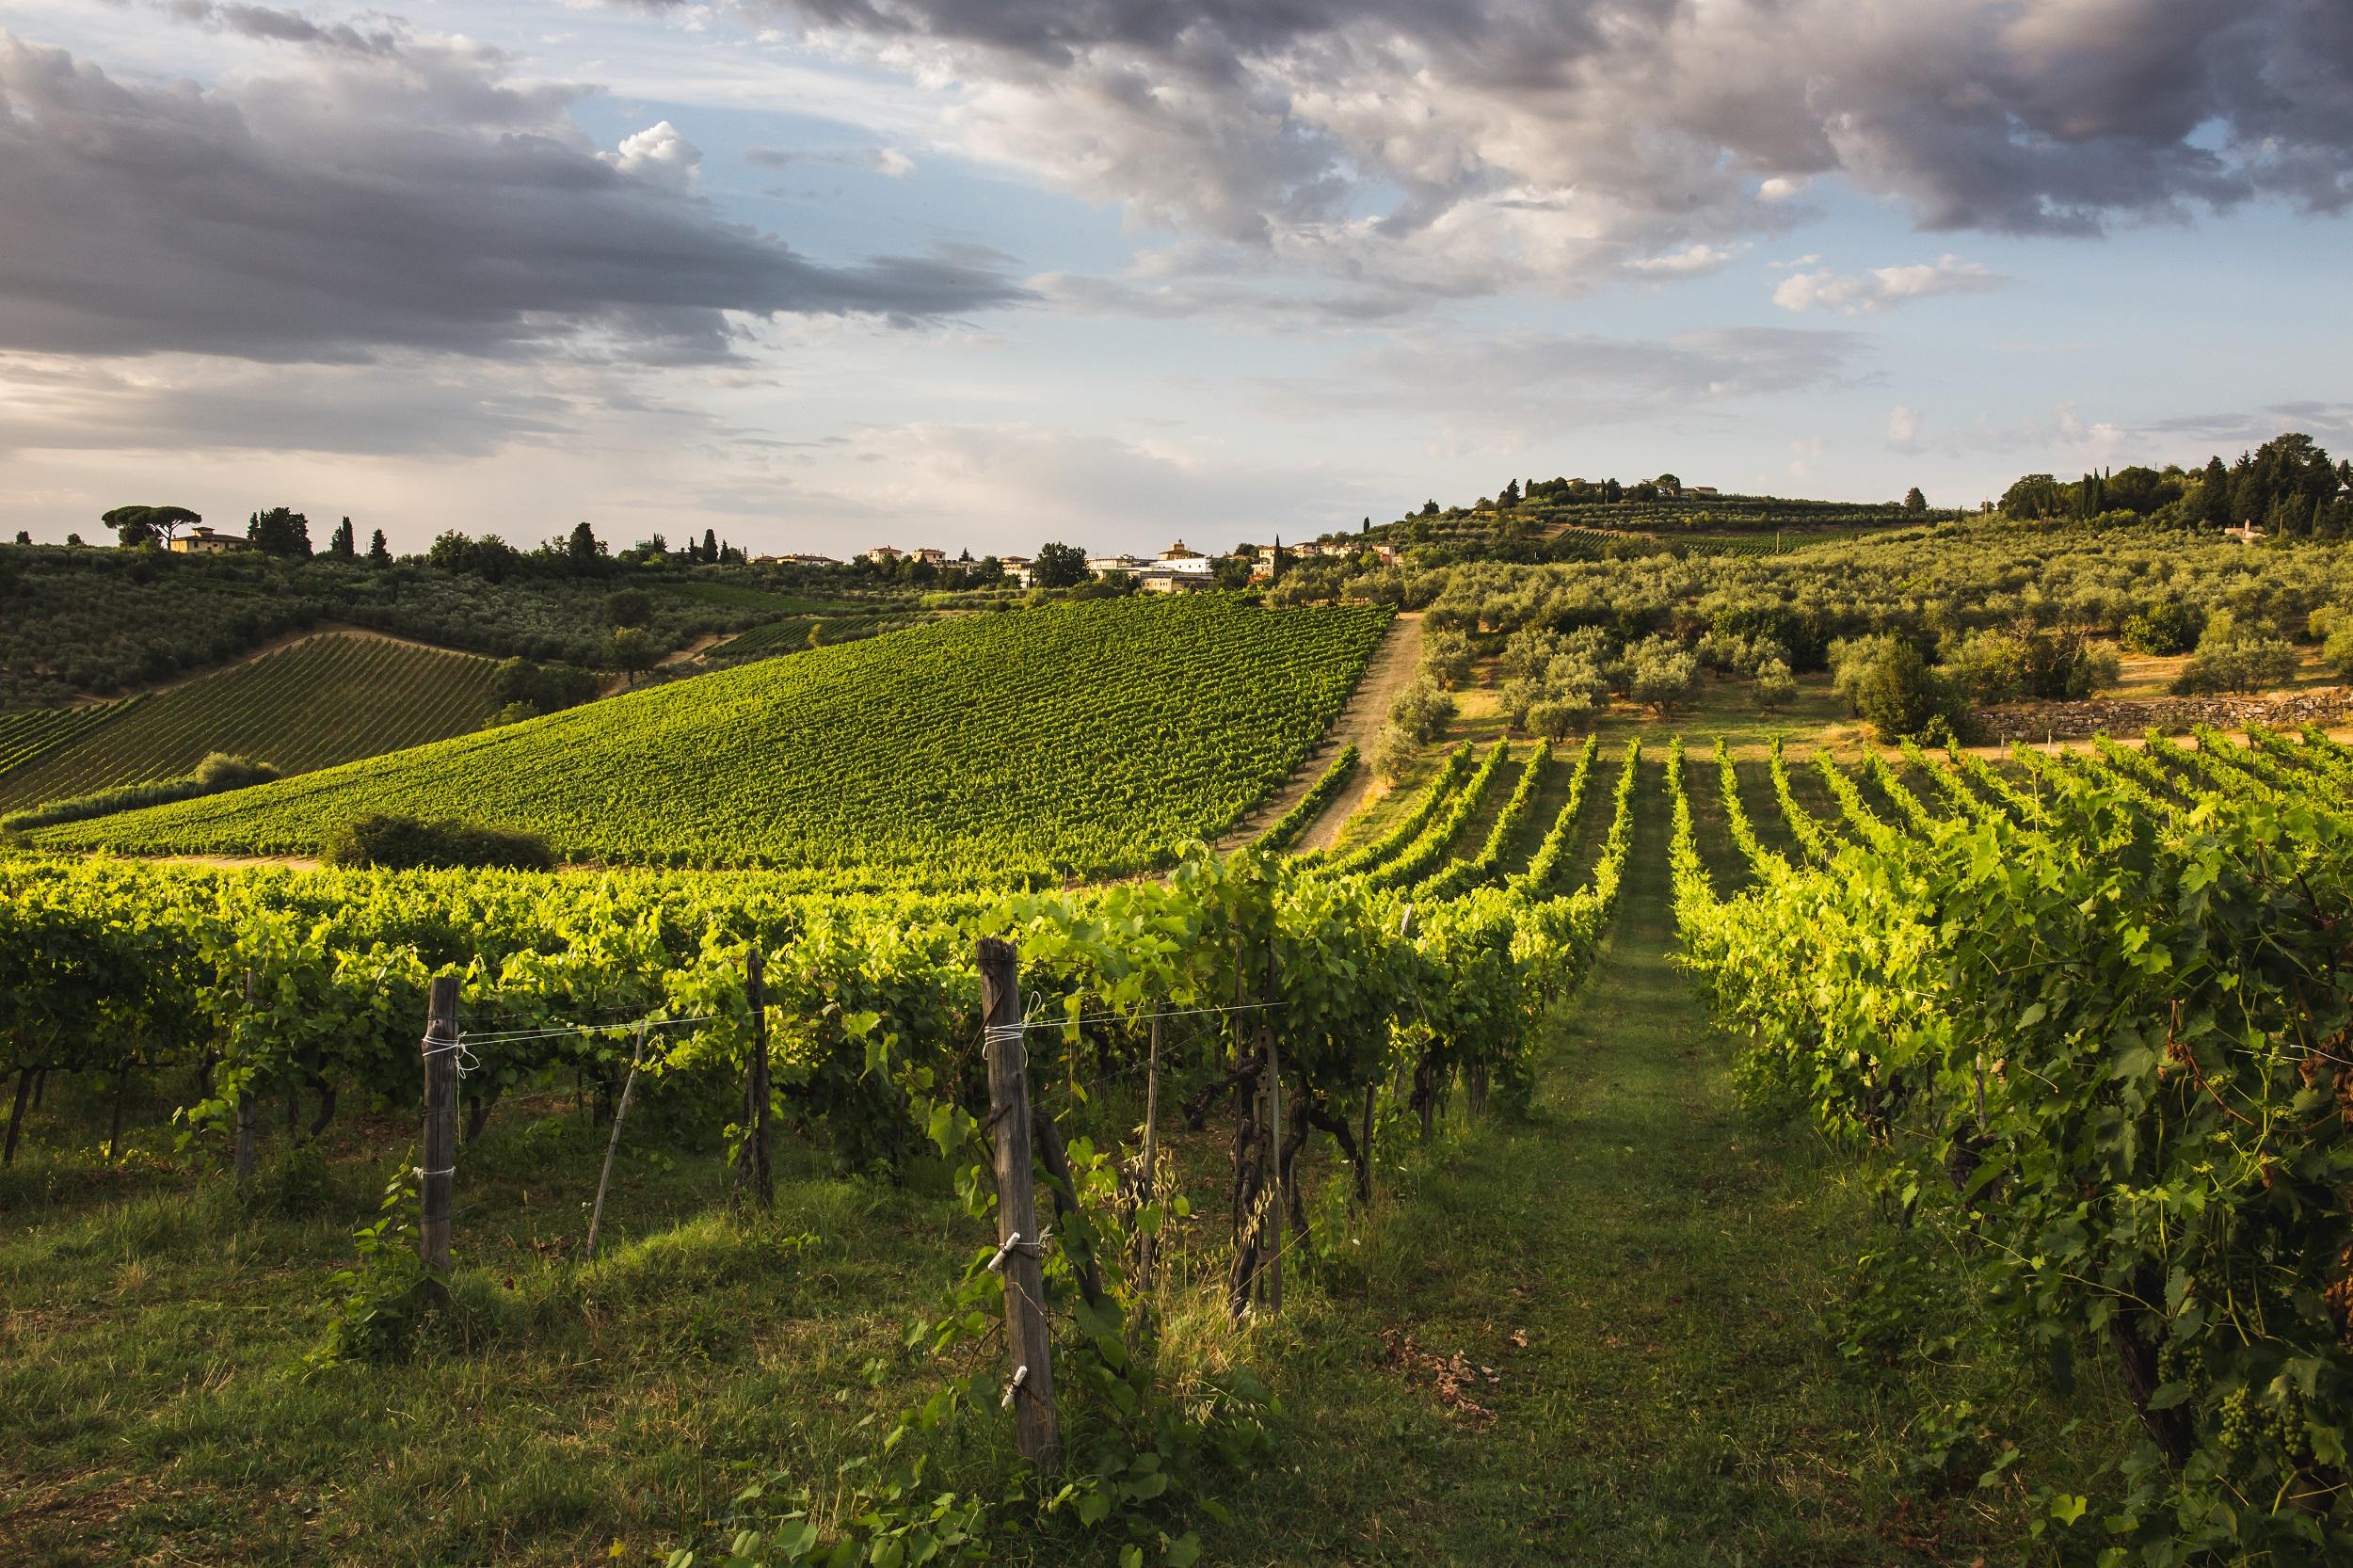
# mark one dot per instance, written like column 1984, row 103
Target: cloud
column 1903, row 427
column 1499, row 144
column 1696, row 259
column 386, row 191
column 1509, row 390
column 187, row 404
column 1867, row 293
column 886, row 161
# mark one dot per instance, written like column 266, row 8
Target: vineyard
column 1087, row 739
column 317, row 702
column 795, row 633
column 25, row 737
column 2051, row 1264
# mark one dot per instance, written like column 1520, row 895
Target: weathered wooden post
column 435, row 1177
column 613, row 1145
column 248, row 1136
column 1147, row 1244
column 1028, row 1340
column 755, row 1167
column 1270, row 1287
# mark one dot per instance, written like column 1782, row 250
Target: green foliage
column 1095, row 738
column 2236, row 655
column 320, row 701
column 379, row 1303
column 2098, row 1038
column 1421, row 711
column 1303, row 811
column 390, row 843
column 2166, row 628
column 218, row 772
column 1889, row 681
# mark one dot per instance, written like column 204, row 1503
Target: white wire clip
column 1004, row 1249
column 1020, row 1376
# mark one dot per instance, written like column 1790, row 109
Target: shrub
column 216, row 773
column 1775, row 685
column 1393, row 752
column 2238, row 656
column 220, row 771
column 2167, row 629
column 1422, row 711
column 1889, row 681
column 1447, row 658
column 1661, row 676
column 393, row 842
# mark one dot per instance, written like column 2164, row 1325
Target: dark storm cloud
column 1639, row 123
column 387, row 190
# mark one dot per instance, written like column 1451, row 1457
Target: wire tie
column 1004, row 1248
column 1020, row 1376
column 423, row 1172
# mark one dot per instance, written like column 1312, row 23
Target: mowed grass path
column 1646, row 1272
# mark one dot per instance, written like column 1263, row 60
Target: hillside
column 1093, row 737
column 77, row 623
column 313, row 703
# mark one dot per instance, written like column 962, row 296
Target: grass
column 1642, row 1280
column 1648, row 1273
column 153, row 1329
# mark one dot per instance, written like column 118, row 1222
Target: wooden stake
column 439, row 1177
column 247, row 1133
column 755, row 1168
column 1275, row 1212
column 1147, row 1245
column 1029, row 1344
column 613, row 1145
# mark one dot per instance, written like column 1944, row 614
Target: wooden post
column 438, row 1177
column 755, row 1167
column 16, row 1117
column 1274, row 1211
column 613, row 1145
column 1147, row 1245
column 247, row 1133
column 1028, row 1340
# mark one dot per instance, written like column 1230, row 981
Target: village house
column 203, row 540
column 884, row 555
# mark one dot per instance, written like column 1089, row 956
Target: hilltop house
column 203, row 540
column 884, row 555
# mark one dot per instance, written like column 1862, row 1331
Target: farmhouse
column 205, row 540
column 884, row 555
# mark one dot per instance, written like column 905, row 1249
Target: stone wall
column 2120, row 717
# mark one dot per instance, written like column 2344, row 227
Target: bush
column 1393, row 752
column 1775, row 685
column 545, row 688
column 1422, row 711
column 1555, row 718
column 1447, row 658
column 220, row 771
column 391, row 842
column 216, row 773
column 1661, row 674
column 2236, row 656
column 1889, row 683
column 2167, row 629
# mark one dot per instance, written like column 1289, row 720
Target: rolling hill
column 1086, row 737
column 326, row 699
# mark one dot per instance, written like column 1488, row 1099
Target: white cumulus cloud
column 1866, row 293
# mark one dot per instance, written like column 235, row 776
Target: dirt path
column 1389, row 671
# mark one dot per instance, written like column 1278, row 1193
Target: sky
column 977, row 274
